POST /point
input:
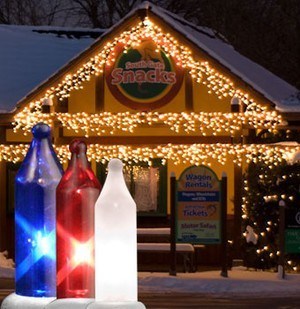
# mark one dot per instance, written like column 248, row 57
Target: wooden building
column 162, row 95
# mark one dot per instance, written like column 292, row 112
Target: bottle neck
column 82, row 160
column 115, row 179
column 73, row 161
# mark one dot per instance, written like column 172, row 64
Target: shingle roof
column 29, row 55
column 285, row 96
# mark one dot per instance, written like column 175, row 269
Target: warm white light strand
column 201, row 72
column 202, row 123
column 179, row 154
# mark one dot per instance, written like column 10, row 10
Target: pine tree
column 264, row 187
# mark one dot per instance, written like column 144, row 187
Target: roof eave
column 140, row 13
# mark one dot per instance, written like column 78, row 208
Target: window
column 147, row 185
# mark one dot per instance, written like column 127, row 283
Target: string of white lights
column 182, row 153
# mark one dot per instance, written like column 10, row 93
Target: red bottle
column 76, row 196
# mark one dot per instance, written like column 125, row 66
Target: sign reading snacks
column 143, row 77
column 198, row 214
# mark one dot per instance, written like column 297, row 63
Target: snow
column 6, row 266
column 240, row 282
column 28, row 58
column 154, row 231
column 292, row 102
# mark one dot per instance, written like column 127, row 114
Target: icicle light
column 200, row 71
column 186, row 154
column 214, row 123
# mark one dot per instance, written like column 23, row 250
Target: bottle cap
column 73, row 145
column 82, row 148
column 115, row 165
column 41, row 130
column 78, row 146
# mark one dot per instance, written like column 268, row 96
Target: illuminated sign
column 143, row 77
column 292, row 230
column 198, row 213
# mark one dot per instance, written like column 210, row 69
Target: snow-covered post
column 224, row 261
column 281, row 270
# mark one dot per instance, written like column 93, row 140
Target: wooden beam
column 237, row 226
column 99, row 93
column 2, row 135
column 62, row 106
column 3, row 231
column 189, row 99
column 6, row 118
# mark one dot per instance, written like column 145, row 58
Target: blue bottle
column 35, row 204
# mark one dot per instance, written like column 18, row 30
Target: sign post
column 292, row 230
column 224, row 260
column 172, row 271
column 281, row 272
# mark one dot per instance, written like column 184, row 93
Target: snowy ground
column 240, row 282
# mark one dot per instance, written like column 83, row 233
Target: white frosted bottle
column 115, row 240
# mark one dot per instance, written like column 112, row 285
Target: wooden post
column 3, row 209
column 224, row 261
column 281, row 270
column 172, row 271
column 237, row 138
column 189, row 99
column 237, row 227
column 99, row 93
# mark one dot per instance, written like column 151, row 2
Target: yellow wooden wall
column 84, row 100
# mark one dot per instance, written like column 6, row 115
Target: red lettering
column 117, row 76
column 140, row 76
column 128, row 77
column 171, row 77
column 150, row 76
column 160, row 76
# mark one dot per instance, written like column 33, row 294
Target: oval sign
column 143, row 77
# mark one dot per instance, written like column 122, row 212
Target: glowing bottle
column 35, row 186
column 76, row 194
column 115, row 240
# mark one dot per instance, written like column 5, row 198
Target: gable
column 91, row 63
column 273, row 88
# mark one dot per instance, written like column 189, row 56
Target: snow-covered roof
column 285, row 96
column 30, row 55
